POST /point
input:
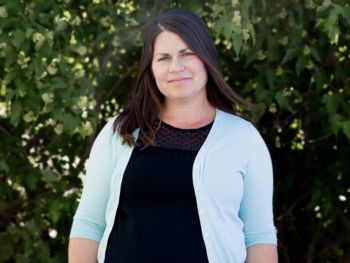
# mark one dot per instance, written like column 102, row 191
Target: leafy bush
column 66, row 66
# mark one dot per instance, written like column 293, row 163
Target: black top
column 157, row 218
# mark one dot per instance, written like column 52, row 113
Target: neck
column 188, row 115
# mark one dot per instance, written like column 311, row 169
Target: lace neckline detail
column 167, row 125
column 168, row 136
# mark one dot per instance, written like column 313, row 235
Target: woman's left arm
column 256, row 210
column 262, row 253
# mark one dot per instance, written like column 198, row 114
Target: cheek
column 159, row 74
column 200, row 69
column 202, row 73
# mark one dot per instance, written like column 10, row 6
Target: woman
column 177, row 176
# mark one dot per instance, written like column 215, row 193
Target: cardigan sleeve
column 89, row 220
column 256, row 210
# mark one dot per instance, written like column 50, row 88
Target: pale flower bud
column 3, row 49
column 52, row 69
column 234, row 3
column 237, row 18
column 82, row 50
column 3, row 109
column 3, row 12
column 306, row 50
column 245, row 34
column 87, row 126
column 58, row 129
column 279, row 71
column 28, row 117
column 106, row 21
column 47, row 97
column 38, row 40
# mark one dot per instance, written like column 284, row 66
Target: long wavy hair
column 146, row 100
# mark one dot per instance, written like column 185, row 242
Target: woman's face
column 179, row 74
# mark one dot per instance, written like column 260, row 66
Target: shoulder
column 233, row 119
column 107, row 130
column 237, row 132
column 106, row 136
column 112, row 125
column 233, row 124
column 111, row 121
column 111, row 131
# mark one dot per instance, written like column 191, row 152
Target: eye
column 188, row 54
column 163, row 58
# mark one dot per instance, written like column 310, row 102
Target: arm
column 82, row 250
column 256, row 210
column 262, row 253
column 89, row 220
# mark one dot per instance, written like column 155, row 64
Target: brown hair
column 146, row 100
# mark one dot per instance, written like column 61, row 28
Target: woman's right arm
column 89, row 220
column 82, row 250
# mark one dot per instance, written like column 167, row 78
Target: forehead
column 168, row 42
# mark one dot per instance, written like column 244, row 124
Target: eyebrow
column 165, row 54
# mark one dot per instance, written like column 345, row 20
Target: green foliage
column 66, row 66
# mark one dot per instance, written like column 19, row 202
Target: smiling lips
column 180, row 79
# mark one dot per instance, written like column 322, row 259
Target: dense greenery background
column 66, row 67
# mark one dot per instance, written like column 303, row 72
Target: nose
column 176, row 66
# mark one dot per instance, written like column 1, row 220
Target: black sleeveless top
column 157, row 218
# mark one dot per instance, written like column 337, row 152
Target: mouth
column 178, row 80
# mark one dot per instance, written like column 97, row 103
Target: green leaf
column 55, row 210
column 320, row 79
column 3, row 166
column 217, row 9
column 336, row 122
column 270, row 77
column 70, row 122
column 346, row 14
column 61, row 26
column 301, row 63
column 262, row 94
column 18, row 37
column 346, row 129
column 315, row 54
column 32, row 179
column 58, row 83
column 259, row 111
column 246, row 4
column 332, row 102
column 289, row 55
column 283, row 101
column 16, row 111
column 49, row 176
column 29, row 32
column 228, row 27
column 237, row 43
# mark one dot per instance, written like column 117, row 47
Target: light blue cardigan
column 233, row 182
